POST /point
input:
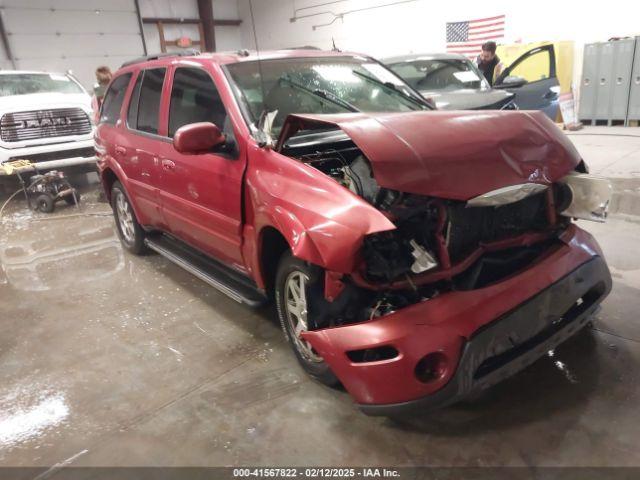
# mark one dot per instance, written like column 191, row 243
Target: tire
column 70, row 200
column 291, row 270
column 45, row 203
column 129, row 230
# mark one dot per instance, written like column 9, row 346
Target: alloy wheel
column 295, row 298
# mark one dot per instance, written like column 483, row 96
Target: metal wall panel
column 588, row 87
column 76, row 35
column 634, row 96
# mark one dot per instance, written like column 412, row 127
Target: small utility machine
column 42, row 190
column 45, row 190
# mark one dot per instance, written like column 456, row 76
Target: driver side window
column 195, row 98
column 533, row 68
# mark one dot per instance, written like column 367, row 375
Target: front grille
column 35, row 124
column 470, row 226
column 57, row 155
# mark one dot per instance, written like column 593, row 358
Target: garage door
column 76, row 35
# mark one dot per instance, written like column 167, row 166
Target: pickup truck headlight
column 584, row 196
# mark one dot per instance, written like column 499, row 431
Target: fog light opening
column 386, row 352
column 431, row 367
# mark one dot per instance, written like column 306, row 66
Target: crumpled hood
column 452, row 154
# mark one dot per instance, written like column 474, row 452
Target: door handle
column 168, row 164
column 120, row 150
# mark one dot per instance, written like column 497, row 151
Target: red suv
column 415, row 256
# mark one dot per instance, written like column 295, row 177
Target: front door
column 201, row 194
column 532, row 77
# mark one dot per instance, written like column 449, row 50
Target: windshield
column 320, row 85
column 440, row 74
column 26, row 83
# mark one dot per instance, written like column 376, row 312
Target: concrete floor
column 109, row 359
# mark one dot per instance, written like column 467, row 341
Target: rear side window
column 110, row 112
column 194, row 98
column 147, row 105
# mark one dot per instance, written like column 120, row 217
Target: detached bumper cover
column 485, row 335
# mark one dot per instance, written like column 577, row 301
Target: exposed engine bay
column 439, row 245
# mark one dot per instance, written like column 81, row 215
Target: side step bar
column 233, row 284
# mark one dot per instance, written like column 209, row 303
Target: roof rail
column 156, row 56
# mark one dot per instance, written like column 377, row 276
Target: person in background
column 489, row 63
column 103, row 76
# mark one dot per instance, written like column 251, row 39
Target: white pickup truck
column 45, row 118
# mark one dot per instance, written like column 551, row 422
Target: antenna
column 335, row 49
column 263, row 114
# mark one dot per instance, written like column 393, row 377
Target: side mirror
column 512, row 81
column 199, row 137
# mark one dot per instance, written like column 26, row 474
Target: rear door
column 110, row 132
column 202, row 194
column 532, row 77
column 142, row 142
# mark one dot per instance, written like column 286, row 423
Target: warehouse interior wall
column 227, row 37
column 398, row 27
column 80, row 35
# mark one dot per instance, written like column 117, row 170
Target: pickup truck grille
column 35, row 124
column 469, row 227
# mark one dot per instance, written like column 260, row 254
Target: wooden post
column 205, row 10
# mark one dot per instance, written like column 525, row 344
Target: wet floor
column 110, row 359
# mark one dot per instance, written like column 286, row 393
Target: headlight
column 584, row 196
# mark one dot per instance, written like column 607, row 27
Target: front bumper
column 485, row 335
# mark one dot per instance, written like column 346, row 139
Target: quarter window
column 194, row 98
column 110, row 112
column 132, row 113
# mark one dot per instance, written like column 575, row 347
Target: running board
column 227, row 281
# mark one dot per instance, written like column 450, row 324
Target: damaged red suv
column 415, row 256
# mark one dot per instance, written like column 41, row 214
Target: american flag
column 467, row 37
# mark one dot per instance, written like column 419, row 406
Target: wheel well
column 273, row 245
column 108, row 179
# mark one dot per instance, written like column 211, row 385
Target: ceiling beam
column 195, row 21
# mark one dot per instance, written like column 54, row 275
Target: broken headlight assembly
column 584, row 196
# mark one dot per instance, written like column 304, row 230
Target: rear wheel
column 293, row 281
column 129, row 230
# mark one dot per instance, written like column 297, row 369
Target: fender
column 323, row 222
column 108, row 163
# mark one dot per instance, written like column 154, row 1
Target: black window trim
column 135, row 131
column 215, row 85
column 100, row 121
column 229, row 155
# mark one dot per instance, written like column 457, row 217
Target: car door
column 109, row 132
column 532, row 77
column 201, row 194
column 138, row 149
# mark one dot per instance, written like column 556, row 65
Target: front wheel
column 293, row 281
column 45, row 203
column 129, row 230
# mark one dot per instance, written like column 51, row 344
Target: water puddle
column 20, row 422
